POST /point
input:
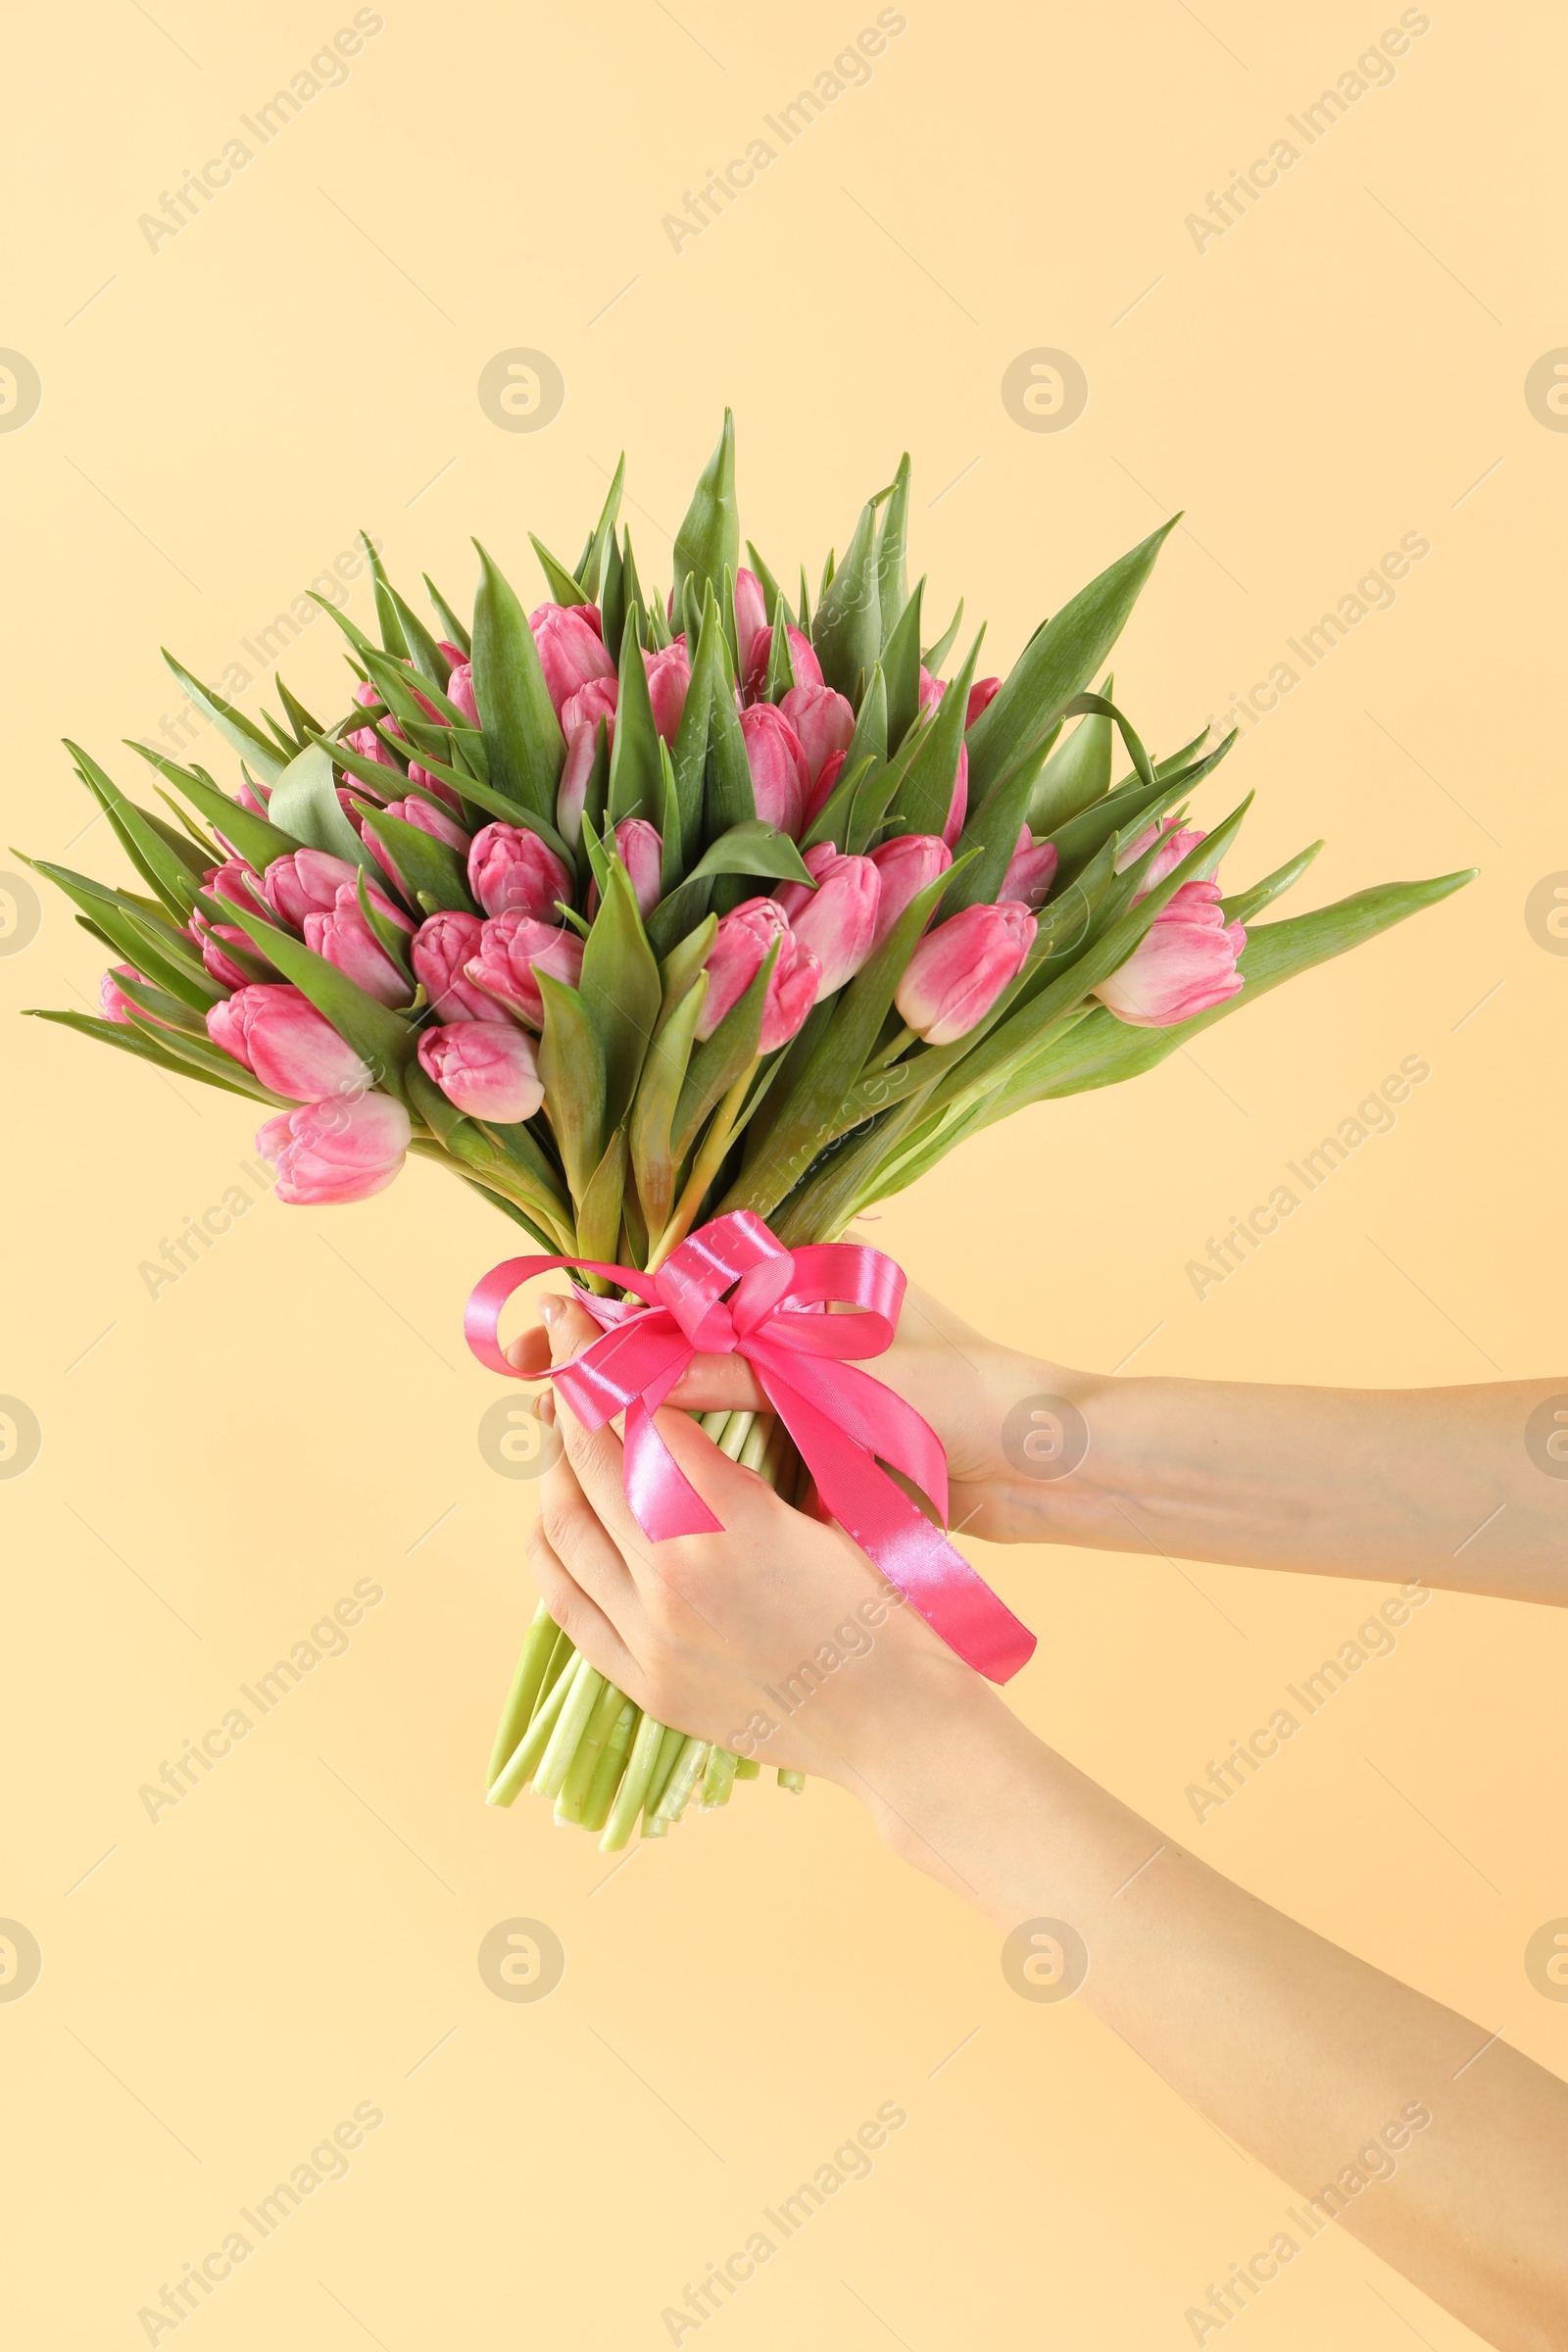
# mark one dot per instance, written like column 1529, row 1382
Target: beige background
column 1344, row 365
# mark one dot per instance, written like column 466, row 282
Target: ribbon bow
column 840, row 1418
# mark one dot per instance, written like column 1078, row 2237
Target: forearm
column 1439, row 1484
column 1320, row 2066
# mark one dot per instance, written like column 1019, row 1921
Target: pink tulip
column 487, row 1069
column 590, row 702
column 806, row 667
column 907, row 865
column 931, row 689
column 982, row 694
column 1184, row 964
column 670, row 675
column 238, row 880
column 281, row 1039
column 509, row 866
column 572, row 649
column 212, row 939
column 115, row 1006
column 823, row 720
column 329, row 1153
column 1174, row 844
column 351, row 947
column 780, row 778
column 511, row 949
column 837, row 920
column 1029, row 877
column 459, row 687
column 750, row 613
column 254, row 799
column 641, row 851
column 960, row 969
column 734, row 961
column 580, row 716
column 823, row 790
column 441, row 947
column 308, row 881
column 364, row 740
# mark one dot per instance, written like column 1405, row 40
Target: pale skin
column 1300, row 2052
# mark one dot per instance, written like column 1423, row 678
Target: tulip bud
column 736, row 956
column 906, row 865
column 255, row 798
column 510, row 868
column 459, row 688
column 308, row 881
column 1175, row 842
column 277, row 1034
column 212, row 939
column 425, row 819
column 1033, row 869
column 486, row 1069
column 750, row 613
column 115, row 1006
column 441, row 949
column 780, row 779
column 837, row 920
column 824, row 721
column 802, row 660
column 572, row 794
column 670, row 675
column 572, row 649
column 237, row 881
column 351, row 947
column 511, row 949
column 960, row 969
column 1184, row 964
column 330, row 1153
column 982, row 694
column 641, row 851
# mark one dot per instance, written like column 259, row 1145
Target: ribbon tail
column 913, row 1554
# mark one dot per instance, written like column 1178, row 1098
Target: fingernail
column 550, row 1311
column 547, row 1408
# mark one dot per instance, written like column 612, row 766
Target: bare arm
column 1369, row 2100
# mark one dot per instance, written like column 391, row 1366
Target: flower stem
column 794, row 1781
column 719, row 1777
column 532, row 1747
column 704, row 1169
column 735, row 1437
column 584, row 1760
column 688, row 1768
column 612, row 1765
column 644, row 1749
column 526, row 1684
column 670, row 1749
column 570, row 1724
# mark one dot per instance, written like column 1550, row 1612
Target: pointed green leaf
column 934, row 655
column 590, row 569
column 926, row 797
column 599, row 1213
column 234, row 727
column 571, row 1066
column 690, row 736
column 431, row 868
column 525, row 742
column 1247, row 902
column 136, row 1042
column 710, row 537
column 847, row 632
column 636, row 781
column 563, row 588
column 653, row 1114
column 834, row 820
column 456, row 634
column 891, row 546
column 727, row 798
column 612, row 604
column 165, row 868
column 1058, row 662
column 720, row 1059
column 382, row 1039
column 619, row 990
column 1077, row 772
column 305, row 798
column 901, row 669
column 671, row 860
column 754, row 846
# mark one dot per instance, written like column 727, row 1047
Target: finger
column 712, row 1383
column 586, row 1548
column 578, row 1614
column 529, row 1352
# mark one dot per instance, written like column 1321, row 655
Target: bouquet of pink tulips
column 643, row 908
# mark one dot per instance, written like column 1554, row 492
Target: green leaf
column 144, row 938
column 754, row 846
column 429, row 867
column 234, row 727
column 671, row 856
column 636, row 783
column 1247, row 902
column 163, row 865
column 1131, row 804
column 525, row 742
column 1058, row 662
column 599, row 1213
column 386, row 612
column 298, row 718
column 710, row 537
column 720, row 1059
column 934, row 655
column 612, row 604
column 604, row 537
column 772, row 594
column 834, row 820
column 926, row 795
column 780, row 662
column 805, row 1120
column 382, row 1039
column 679, row 914
column 727, row 799
column 483, row 796
column 891, row 541
column 164, row 1011
column 619, row 990
column 394, row 682
column 683, row 962
column 389, row 938
column 652, row 1116
column 1077, row 772
column 424, row 652
column 847, row 632
column 901, row 668
column 690, row 736
column 351, row 628
column 633, row 602
column 201, row 1059
column 136, row 1042
column 571, row 1066
column 456, row 634
column 563, row 588
column 306, row 800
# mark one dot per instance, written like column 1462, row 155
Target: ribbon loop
column 733, row 1288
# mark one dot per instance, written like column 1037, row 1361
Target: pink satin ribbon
column 841, row 1419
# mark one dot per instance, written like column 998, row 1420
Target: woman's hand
column 777, row 1638
column 961, row 1383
